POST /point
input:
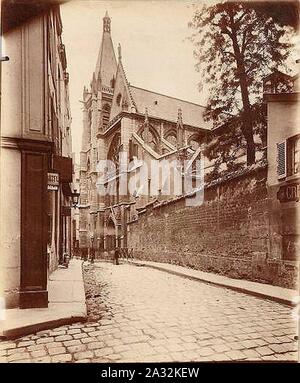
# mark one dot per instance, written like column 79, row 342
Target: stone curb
column 59, row 313
column 48, row 325
column 245, row 290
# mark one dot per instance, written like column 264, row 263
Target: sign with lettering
column 290, row 192
column 53, row 181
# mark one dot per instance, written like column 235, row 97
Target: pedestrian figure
column 116, row 256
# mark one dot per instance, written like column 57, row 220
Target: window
column 105, row 115
column 281, row 160
column 149, row 137
column 133, row 150
column 89, row 118
column 288, row 157
column 119, row 97
column 112, row 82
column 114, row 150
column 172, row 139
column 293, row 157
column 194, row 142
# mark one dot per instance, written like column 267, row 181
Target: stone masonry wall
column 228, row 234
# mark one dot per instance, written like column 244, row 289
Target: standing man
column 116, row 256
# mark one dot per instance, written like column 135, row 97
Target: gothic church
column 119, row 117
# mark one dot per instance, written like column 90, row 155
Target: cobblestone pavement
column 148, row 315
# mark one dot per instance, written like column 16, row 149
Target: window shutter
column 281, row 160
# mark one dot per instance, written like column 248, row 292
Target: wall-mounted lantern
column 75, row 198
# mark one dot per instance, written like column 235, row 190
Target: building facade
column 144, row 126
column 283, row 168
column 246, row 226
column 36, row 163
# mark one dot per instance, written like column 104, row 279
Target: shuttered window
column 293, row 155
column 281, row 160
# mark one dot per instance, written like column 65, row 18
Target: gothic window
column 172, row 139
column 194, row 142
column 105, row 115
column 150, row 138
column 90, row 118
column 125, row 105
column 112, row 82
column 133, row 150
column 114, row 150
column 119, row 97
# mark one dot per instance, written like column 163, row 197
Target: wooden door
column 34, row 230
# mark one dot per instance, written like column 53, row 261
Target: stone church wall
column 228, row 234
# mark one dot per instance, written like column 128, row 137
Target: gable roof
column 121, row 88
column 166, row 107
column 275, row 74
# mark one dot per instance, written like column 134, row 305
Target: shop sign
column 289, row 192
column 53, row 181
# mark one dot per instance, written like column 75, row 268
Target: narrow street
column 143, row 315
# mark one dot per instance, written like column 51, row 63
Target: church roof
column 166, row 107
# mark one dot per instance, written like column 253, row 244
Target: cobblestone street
column 137, row 314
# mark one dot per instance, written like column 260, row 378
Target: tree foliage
column 235, row 48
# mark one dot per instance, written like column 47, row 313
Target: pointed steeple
column 106, row 66
column 106, row 23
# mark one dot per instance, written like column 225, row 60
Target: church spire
column 106, row 23
column 106, row 66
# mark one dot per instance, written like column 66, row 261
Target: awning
column 67, row 189
column 63, row 166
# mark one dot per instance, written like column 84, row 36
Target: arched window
column 90, row 118
column 114, row 150
column 119, row 98
column 105, row 115
column 124, row 105
column 112, row 82
column 150, row 136
column 194, row 141
column 172, row 138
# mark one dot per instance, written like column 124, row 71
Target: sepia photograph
column 149, row 184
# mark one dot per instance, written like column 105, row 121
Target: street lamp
column 92, row 248
column 75, row 198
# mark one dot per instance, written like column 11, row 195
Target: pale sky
column 156, row 54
